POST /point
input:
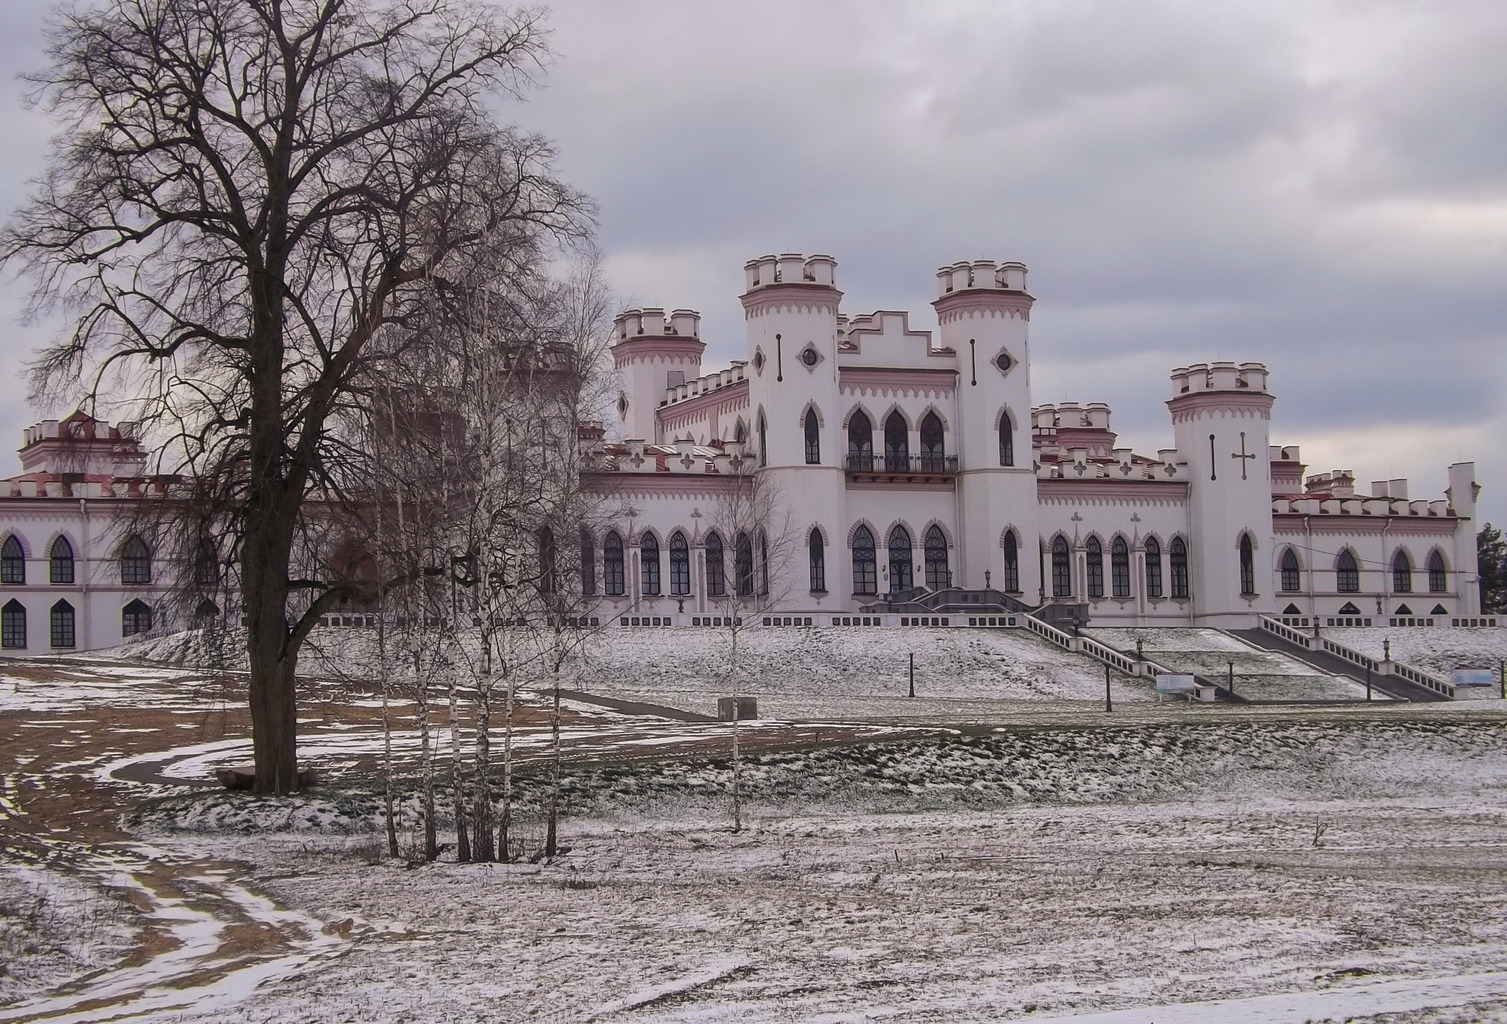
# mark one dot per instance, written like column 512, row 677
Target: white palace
column 919, row 482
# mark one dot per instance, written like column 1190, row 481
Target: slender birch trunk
column 462, row 835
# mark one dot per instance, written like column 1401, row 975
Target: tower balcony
column 901, row 469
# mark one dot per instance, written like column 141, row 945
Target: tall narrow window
column 1094, row 559
column 1006, row 440
column 1247, row 566
column 588, row 564
column 135, row 561
column 1346, row 573
column 1292, row 572
column 900, row 560
column 13, row 625
column 1062, row 569
column 135, row 617
column 865, row 565
column 740, row 431
column 896, row 443
column 743, row 573
column 62, row 624
column 547, row 560
column 1178, row 556
column 1153, row 567
column 60, row 562
column 763, row 440
column 12, row 561
column 763, row 564
column 716, row 566
column 938, row 576
column 813, row 439
column 612, row 565
column 648, row 562
column 1012, row 564
column 860, row 442
column 206, row 564
column 680, row 565
column 1119, row 568
column 933, row 449
column 1402, row 573
column 818, row 552
column 1438, row 575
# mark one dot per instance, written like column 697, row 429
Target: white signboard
column 1475, row 684
column 1168, row 683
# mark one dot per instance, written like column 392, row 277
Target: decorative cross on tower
column 1242, row 455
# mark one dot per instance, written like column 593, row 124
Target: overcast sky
column 1318, row 185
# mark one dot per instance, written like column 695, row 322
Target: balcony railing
column 908, row 465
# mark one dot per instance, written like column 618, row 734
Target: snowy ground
column 1440, row 649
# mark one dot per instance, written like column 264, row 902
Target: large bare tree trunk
column 273, row 663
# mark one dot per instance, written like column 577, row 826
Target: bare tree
column 243, row 194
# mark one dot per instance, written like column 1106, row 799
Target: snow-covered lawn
column 1438, row 649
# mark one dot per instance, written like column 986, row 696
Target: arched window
column 648, row 562
column 1438, row 574
column 1012, row 564
column 612, row 565
column 1119, row 568
column 933, row 448
column 13, row 625
column 900, row 559
column 740, row 431
column 135, row 561
column 763, row 440
column 1177, row 555
column 813, row 439
column 743, row 566
column 716, row 566
column 860, row 442
column 865, row 566
column 938, row 577
column 1006, row 440
column 818, row 552
column 1153, row 567
column 1292, row 572
column 60, row 562
column 206, row 564
column 1247, row 565
column 1346, row 573
column 896, row 444
column 1062, row 569
column 547, row 560
column 1402, row 573
column 135, row 617
column 763, row 564
column 12, row 561
column 680, row 565
column 1095, row 561
column 62, row 624
column 588, row 564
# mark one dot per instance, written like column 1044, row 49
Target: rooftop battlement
column 969, row 275
column 651, row 322
column 1219, row 376
column 817, row 269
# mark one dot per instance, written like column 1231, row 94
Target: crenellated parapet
column 1234, row 389
column 790, row 282
column 982, row 288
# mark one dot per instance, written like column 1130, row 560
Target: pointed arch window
column 740, row 431
column 206, row 564
column 1346, row 573
column 1062, row 569
column 813, row 439
column 1292, row 572
column 135, row 617
column 612, row 565
column 1095, row 562
column 548, row 560
column 135, row 561
column 12, row 561
column 1012, row 564
column 588, row 564
column 1402, row 573
column 716, row 566
column 648, row 562
column 933, row 445
column 900, row 560
column 62, row 625
column 60, row 562
column 1177, row 556
column 818, row 553
column 1153, row 567
column 763, row 440
column 1247, row 566
column 743, row 572
column 1006, row 439
column 763, row 564
column 865, row 564
column 680, row 565
column 13, row 625
column 938, row 576
column 860, row 442
column 896, row 444
column 1438, row 574
column 1119, row 568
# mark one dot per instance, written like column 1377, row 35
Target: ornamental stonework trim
column 983, row 304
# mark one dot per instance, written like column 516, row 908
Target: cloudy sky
column 1318, row 185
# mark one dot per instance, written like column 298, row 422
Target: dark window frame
column 813, row 439
column 62, row 623
column 716, row 566
column 1119, row 568
column 901, row 552
column 1177, row 560
column 135, row 562
column 680, row 565
column 865, row 562
column 1093, row 559
column 1062, row 569
column 1347, row 572
column 614, row 578
column 817, row 550
column 1153, row 554
column 934, row 549
column 648, row 564
column 13, row 626
column 12, row 561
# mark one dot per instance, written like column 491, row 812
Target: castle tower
column 1221, row 420
column 652, row 352
column 984, row 311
